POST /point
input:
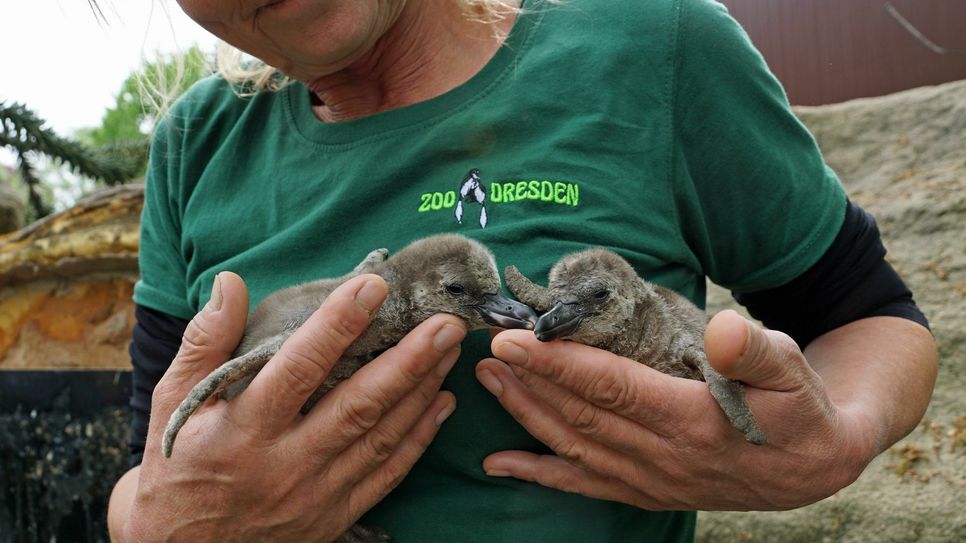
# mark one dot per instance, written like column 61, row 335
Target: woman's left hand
column 625, row 432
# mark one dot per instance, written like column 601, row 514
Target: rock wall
column 903, row 158
column 66, row 284
column 65, row 304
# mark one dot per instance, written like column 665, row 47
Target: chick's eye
column 601, row 295
column 455, row 288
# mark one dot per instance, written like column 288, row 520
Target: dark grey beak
column 498, row 310
column 562, row 320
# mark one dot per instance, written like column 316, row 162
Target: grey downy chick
column 595, row 297
column 438, row 274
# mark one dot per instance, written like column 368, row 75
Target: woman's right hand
column 253, row 468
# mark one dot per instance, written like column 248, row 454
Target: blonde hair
column 249, row 75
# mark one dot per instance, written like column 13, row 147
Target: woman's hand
column 625, row 432
column 253, row 468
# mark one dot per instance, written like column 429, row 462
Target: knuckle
column 611, row 393
column 584, row 416
column 393, row 473
column 411, row 374
column 379, row 444
column 759, row 345
column 359, row 412
column 427, row 392
column 201, row 341
column 303, row 373
column 328, row 345
column 784, row 346
column 194, row 342
column 197, row 330
column 793, row 368
column 329, row 341
column 711, row 440
column 526, row 417
column 563, row 480
column 345, row 329
column 559, row 373
column 573, row 451
column 203, row 333
column 163, row 392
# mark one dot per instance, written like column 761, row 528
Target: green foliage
column 144, row 94
column 116, row 151
column 23, row 132
column 126, row 128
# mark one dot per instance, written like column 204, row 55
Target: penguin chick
column 595, row 297
column 438, row 274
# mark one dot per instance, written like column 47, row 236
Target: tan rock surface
column 66, row 284
column 903, row 158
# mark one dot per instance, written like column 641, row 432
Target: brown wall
column 827, row 51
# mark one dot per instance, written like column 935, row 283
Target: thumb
column 208, row 341
column 743, row 351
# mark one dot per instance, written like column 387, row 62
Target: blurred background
column 825, row 52
column 881, row 85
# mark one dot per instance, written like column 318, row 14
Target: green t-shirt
column 651, row 128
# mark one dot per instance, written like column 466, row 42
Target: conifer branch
column 26, row 133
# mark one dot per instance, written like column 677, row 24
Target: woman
column 652, row 128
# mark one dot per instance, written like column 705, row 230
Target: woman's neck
column 431, row 49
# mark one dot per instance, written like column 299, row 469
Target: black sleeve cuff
column 851, row 281
column 155, row 342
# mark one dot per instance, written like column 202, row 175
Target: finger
column 607, row 427
column 611, row 382
column 375, row 486
column 373, row 448
column 355, row 406
column 766, row 359
column 554, row 472
column 547, row 425
column 209, row 340
column 279, row 390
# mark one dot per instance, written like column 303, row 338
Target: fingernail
column 214, row 303
column 491, row 383
column 445, row 413
column 497, row 473
column 371, row 295
column 447, row 337
column 510, row 352
column 447, row 362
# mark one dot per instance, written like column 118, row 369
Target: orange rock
column 66, row 284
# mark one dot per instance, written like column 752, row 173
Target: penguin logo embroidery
column 473, row 191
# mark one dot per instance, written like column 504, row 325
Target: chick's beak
column 562, row 320
column 498, row 310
